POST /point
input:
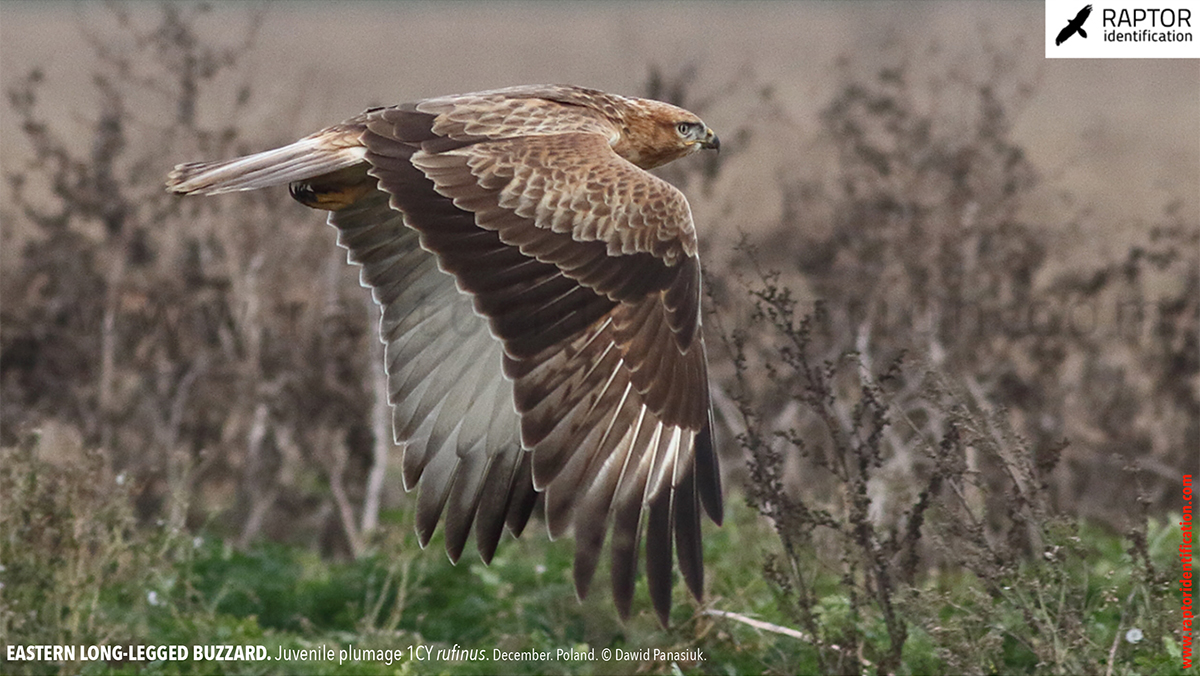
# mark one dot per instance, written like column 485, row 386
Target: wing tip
column 660, row 574
column 708, row 475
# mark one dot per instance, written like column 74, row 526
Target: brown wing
column 584, row 266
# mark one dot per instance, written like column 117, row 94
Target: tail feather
column 306, row 158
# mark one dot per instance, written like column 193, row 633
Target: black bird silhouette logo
column 1074, row 26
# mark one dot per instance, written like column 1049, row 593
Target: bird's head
column 656, row 133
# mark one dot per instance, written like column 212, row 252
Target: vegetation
column 80, row 570
column 961, row 459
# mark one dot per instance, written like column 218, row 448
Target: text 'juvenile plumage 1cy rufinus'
column 541, row 311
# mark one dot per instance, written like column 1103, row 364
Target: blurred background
column 994, row 256
column 1118, row 135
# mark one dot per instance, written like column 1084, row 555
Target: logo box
column 1123, row 29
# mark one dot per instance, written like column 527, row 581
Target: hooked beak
column 711, row 142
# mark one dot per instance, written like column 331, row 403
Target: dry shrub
column 917, row 396
column 920, row 244
column 211, row 347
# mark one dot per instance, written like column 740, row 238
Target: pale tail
column 306, row 158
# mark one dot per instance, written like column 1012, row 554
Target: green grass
column 79, row 571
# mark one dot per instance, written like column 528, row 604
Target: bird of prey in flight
column 1074, row 26
column 541, row 296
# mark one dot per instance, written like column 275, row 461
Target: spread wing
column 562, row 352
column 1074, row 25
column 1065, row 33
column 585, row 269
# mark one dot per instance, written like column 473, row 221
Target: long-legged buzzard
column 541, row 311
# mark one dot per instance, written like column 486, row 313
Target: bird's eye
column 684, row 128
